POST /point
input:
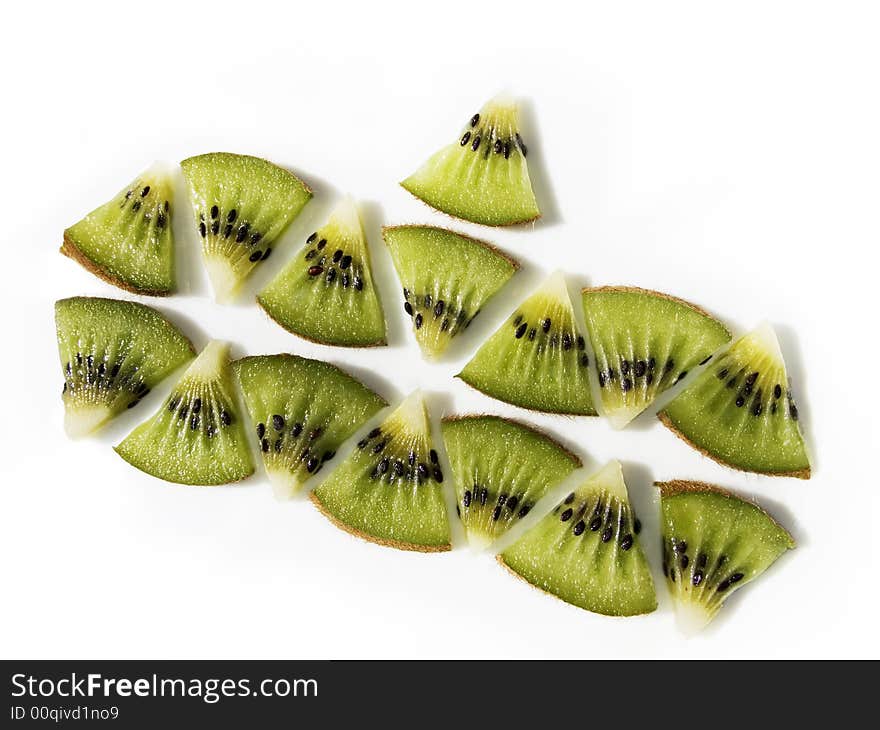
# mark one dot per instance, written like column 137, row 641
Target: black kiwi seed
column 160, row 220
column 418, row 320
column 266, row 254
column 579, row 528
column 740, row 401
column 723, row 585
column 681, row 375
column 215, row 211
column 296, row 430
column 567, row 340
column 432, row 455
column 627, row 542
column 311, row 464
column 736, row 578
column 581, row 343
column 532, row 333
column 378, row 447
column 637, row 526
column 215, row 227
column 496, row 513
column 277, row 422
column 231, row 215
column 411, row 458
column 331, row 275
column 321, row 244
column 136, row 206
column 279, row 442
column 255, row 238
column 484, row 495
column 641, row 367
column 758, row 407
column 697, row 577
column 264, row 445
column 399, row 468
column 702, row 559
column 475, row 120
column 315, row 270
column 624, row 367
column 196, row 405
column 362, row 443
column 311, row 238
column 705, row 359
column 313, row 434
column 437, row 474
column 422, row 469
column 669, row 365
column 626, row 384
column 255, row 256
column 464, row 138
column 585, row 361
column 408, row 308
column 793, row 411
column 680, row 547
column 498, row 147
column 595, row 523
column 382, row 466
column 520, row 331
column 722, row 373
column 242, row 233
column 225, row 417
column 685, row 560
column 522, row 145
column 194, row 422
column 337, row 255
column 345, row 280
column 358, row 284
column 603, row 379
column 732, row 382
column 466, row 498
column 444, row 325
column 507, row 150
column 570, row 498
column 439, row 307
column 777, row 391
column 475, row 145
column 345, row 262
column 566, row 515
column 607, row 534
column 375, row 432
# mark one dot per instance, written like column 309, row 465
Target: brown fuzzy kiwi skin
column 797, row 473
column 654, row 293
column 70, row 249
column 478, row 241
column 500, row 559
column 456, row 218
column 385, row 542
column 686, row 486
column 287, row 355
column 527, row 408
column 378, row 343
column 574, row 458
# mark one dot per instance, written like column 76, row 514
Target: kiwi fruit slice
column 482, row 176
column 197, row 436
column 446, row 277
column 303, row 410
column 128, row 241
column 500, row 469
column 242, row 206
column 537, row 359
column 740, row 410
column 112, row 353
column 326, row 293
column 587, row 552
column 643, row 343
column 388, row 490
column 714, row 543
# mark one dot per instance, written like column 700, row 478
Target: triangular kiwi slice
column 740, row 410
column 447, row 277
column 644, row 342
column 128, row 240
column 197, row 436
column 587, row 552
column 388, row 490
column 326, row 293
column 482, row 176
column 500, row 469
column 112, row 353
column 537, row 359
column 714, row 543
column 242, row 206
column 303, row 410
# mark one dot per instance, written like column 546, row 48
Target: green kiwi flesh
column 483, row 176
column 537, row 359
column 643, row 343
column 197, row 436
column 587, row 552
column 128, row 241
column 326, row 293
column 714, row 543
column 388, row 490
column 740, row 410
column 112, row 353
column 446, row 277
column 242, row 206
column 500, row 469
column 303, row 410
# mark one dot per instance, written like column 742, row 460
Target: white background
column 725, row 153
